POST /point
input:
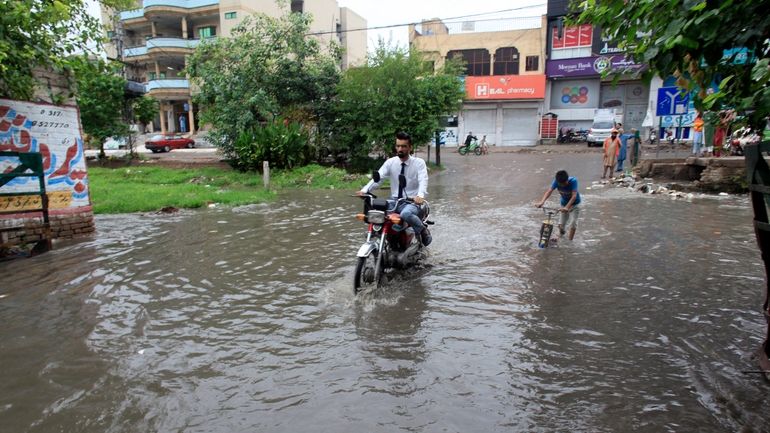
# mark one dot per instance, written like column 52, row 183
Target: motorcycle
column 389, row 243
column 473, row 147
column 572, row 136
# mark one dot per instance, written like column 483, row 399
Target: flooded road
column 243, row 319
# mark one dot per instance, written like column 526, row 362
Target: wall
column 354, row 43
column 529, row 42
column 54, row 131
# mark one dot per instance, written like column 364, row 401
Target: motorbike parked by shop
column 390, row 243
column 572, row 136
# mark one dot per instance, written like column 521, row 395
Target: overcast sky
column 393, row 12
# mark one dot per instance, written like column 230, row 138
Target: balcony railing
column 171, row 83
column 183, row 4
column 161, row 43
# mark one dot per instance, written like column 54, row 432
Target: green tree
column 101, row 99
column 396, row 91
column 689, row 39
column 267, row 69
column 43, row 33
column 145, row 109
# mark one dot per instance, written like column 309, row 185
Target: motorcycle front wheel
column 368, row 272
column 477, row 151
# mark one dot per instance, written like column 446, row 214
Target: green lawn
column 147, row 188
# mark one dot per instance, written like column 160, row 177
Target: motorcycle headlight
column 375, row 216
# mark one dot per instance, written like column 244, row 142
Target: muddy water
column 243, row 320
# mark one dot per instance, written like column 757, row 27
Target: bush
column 283, row 144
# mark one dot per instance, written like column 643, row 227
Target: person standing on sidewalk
column 697, row 137
column 611, row 152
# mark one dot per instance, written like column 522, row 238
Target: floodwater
column 244, row 320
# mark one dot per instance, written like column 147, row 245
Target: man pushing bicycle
column 570, row 201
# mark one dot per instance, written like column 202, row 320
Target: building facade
column 504, row 77
column 581, row 67
column 155, row 39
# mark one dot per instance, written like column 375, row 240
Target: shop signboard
column 591, row 66
column 505, row 87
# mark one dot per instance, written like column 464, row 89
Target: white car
column 115, row 143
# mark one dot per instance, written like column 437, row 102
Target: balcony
column 168, row 88
column 165, row 46
column 153, row 7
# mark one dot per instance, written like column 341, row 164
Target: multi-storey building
column 581, row 70
column 154, row 41
column 504, row 77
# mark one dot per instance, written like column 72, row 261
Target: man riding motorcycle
column 416, row 173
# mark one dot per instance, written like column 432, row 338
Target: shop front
column 504, row 108
column 577, row 88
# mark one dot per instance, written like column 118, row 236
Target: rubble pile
column 642, row 185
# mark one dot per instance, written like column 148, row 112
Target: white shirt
column 416, row 173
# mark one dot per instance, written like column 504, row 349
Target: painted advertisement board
column 54, row 132
column 505, row 87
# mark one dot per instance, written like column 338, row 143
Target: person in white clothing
column 416, row 173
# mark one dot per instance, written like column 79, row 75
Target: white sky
column 378, row 13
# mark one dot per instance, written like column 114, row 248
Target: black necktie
column 401, row 190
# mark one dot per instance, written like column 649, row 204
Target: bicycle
column 546, row 229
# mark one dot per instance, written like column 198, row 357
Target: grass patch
column 150, row 188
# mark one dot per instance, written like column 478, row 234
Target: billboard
column 505, row 87
column 591, row 66
column 575, row 94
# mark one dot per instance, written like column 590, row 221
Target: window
column 507, row 61
column 110, row 34
column 152, row 76
column 296, row 6
column 207, row 32
column 231, row 15
column 476, row 61
column 533, row 63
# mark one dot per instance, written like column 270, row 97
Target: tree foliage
column 267, row 69
column 145, row 109
column 689, row 39
column 396, row 91
column 43, row 33
column 101, row 99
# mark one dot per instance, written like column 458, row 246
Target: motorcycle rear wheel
column 368, row 272
column 463, row 150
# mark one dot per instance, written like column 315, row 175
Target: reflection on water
column 243, row 319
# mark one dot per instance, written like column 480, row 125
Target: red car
column 164, row 143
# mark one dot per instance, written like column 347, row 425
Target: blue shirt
column 566, row 191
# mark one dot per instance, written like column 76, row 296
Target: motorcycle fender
column 367, row 249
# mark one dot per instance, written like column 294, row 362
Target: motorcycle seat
column 380, row 204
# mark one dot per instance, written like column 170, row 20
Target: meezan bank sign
column 505, row 87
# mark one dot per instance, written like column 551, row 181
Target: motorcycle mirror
column 376, row 176
column 401, row 181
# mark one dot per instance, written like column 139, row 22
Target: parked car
column 164, row 143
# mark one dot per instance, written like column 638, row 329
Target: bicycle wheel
column 545, row 234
